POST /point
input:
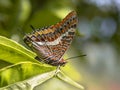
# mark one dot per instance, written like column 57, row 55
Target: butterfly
column 51, row 43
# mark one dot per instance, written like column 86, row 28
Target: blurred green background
column 99, row 27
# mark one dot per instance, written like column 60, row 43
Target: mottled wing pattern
column 51, row 43
column 65, row 31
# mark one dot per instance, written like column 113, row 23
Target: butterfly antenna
column 32, row 27
column 75, row 57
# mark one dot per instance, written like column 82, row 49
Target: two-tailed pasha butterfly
column 50, row 43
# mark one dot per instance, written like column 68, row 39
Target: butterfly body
column 50, row 43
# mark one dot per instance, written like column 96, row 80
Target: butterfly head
column 62, row 62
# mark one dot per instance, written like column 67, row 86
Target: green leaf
column 12, row 52
column 24, row 67
column 11, row 43
column 22, row 71
column 29, row 84
column 65, row 78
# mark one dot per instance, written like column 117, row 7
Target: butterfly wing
column 52, row 42
column 64, row 34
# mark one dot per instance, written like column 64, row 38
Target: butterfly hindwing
column 51, row 43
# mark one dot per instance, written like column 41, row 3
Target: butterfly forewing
column 51, row 43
